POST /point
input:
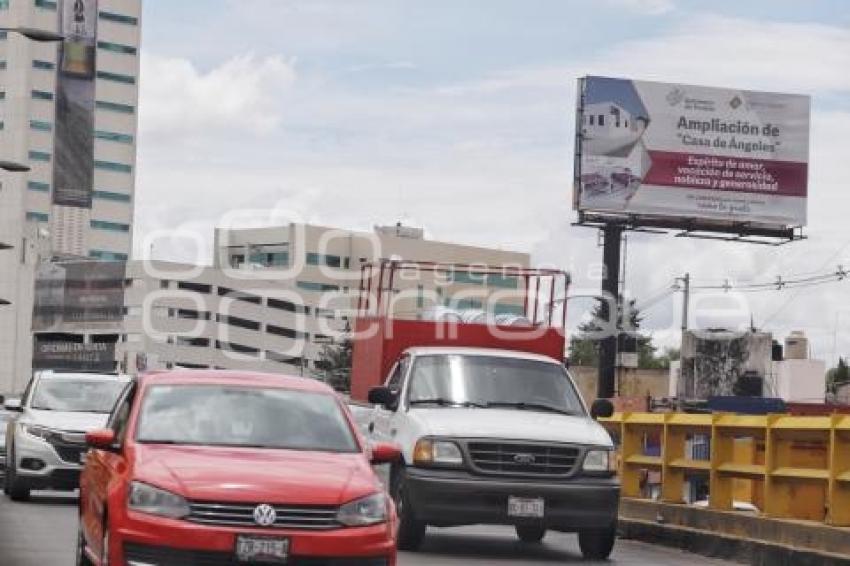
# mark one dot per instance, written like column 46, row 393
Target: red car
column 218, row 468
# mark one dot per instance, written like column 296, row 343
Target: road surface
column 42, row 533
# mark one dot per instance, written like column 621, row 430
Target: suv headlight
column 369, row 510
column 431, row 452
column 145, row 498
column 598, row 461
column 36, row 431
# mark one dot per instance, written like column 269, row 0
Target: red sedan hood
column 211, row 474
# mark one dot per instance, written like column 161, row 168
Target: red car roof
column 233, row 377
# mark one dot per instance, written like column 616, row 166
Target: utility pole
column 686, row 299
column 612, row 239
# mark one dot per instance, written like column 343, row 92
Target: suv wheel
column 16, row 488
column 530, row 535
column 597, row 544
column 411, row 531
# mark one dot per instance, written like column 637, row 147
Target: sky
column 458, row 116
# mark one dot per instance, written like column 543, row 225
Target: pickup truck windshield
column 492, row 382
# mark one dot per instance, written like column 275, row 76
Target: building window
column 112, row 166
column 238, row 322
column 233, row 347
column 113, row 106
column 4, row 4
column 327, row 260
column 107, row 256
column 41, row 126
column 502, row 308
column 509, row 282
column 116, row 77
column 37, row 217
column 239, row 296
column 273, row 259
column 313, row 286
column 118, row 18
column 39, row 156
column 197, row 287
column 117, row 48
column 110, row 226
column 42, row 95
column 164, row 284
column 288, row 306
column 236, row 260
column 189, row 314
column 113, row 137
column 281, row 359
column 471, row 304
column 467, row 277
column 46, row 4
column 192, row 342
column 591, row 119
column 38, row 186
column 286, row 332
column 602, row 119
column 108, row 195
column 43, row 65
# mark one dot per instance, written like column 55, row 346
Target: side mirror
column 103, row 439
column 13, row 405
column 601, row 409
column 385, row 453
column 382, row 396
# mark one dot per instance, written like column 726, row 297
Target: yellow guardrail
column 794, row 467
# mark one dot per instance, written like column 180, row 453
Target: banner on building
column 73, row 356
column 81, row 295
column 681, row 152
column 73, row 153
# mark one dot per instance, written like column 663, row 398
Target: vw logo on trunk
column 265, row 515
column 525, row 459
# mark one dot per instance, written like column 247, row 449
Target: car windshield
column 214, row 415
column 492, row 381
column 76, row 395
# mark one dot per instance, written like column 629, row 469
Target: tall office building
column 68, row 111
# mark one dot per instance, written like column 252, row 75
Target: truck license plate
column 262, row 549
column 526, row 507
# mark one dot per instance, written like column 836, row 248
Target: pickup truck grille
column 288, row 516
column 523, row 458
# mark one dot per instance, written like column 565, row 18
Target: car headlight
column 430, row 452
column 40, row 432
column 598, row 461
column 145, row 498
column 369, row 510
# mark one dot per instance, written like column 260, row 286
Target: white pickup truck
column 496, row 437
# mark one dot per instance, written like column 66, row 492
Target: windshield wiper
column 447, row 403
column 522, row 405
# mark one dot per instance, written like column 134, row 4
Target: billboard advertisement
column 73, row 356
column 73, row 173
column 90, row 294
column 684, row 153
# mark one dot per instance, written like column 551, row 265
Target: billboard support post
column 612, row 240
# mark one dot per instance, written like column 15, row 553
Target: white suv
column 46, row 444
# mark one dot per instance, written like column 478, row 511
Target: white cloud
column 649, row 7
column 240, row 95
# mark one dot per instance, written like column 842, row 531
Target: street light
column 13, row 166
column 4, row 302
column 34, row 34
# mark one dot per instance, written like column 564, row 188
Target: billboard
column 689, row 153
column 73, row 152
column 73, row 356
column 86, row 294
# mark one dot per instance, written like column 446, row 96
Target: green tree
column 334, row 363
column 838, row 376
column 584, row 346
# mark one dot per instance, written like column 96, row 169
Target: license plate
column 262, row 549
column 526, row 507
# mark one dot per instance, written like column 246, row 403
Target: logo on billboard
column 736, row 102
column 675, row 96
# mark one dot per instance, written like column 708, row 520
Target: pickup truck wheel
column 411, row 531
column 597, row 544
column 530, row 535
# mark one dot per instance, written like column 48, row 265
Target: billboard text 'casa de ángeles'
column 683, row 152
